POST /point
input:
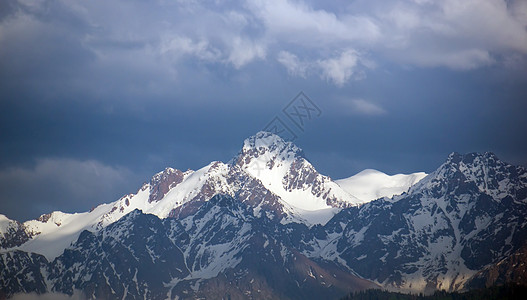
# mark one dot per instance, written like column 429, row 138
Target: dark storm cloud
column 135, row 86
column 72, row 184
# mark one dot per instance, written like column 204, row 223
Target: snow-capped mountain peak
column 264, row 141
column 483, row 172
column 283, row 169
column 264, row 150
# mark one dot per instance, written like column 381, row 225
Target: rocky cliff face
column 511, row 269
column 12, row 233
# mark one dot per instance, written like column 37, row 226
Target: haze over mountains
column 268, row 225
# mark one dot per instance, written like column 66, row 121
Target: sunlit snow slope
column 269, row 174
column 371, row 184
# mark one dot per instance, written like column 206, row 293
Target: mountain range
column 267, row 225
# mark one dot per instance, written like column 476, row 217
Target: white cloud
column 493, row 24
column 337, row 69
column 361, row 106
column 340, row 69
column 293, row 65
column 138, row 38
column 244, row 51
column 456, row 60
column 459, row 35
column 240, row 52
column 181, row 45
column 299, row 23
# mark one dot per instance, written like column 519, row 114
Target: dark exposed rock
column 512, row 269
column 22, row 272
column 15, row 235
column 162, row 182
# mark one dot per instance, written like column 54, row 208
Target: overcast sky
column 97, row 96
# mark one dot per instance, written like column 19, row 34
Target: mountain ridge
column 173, row 193
column 235, row 231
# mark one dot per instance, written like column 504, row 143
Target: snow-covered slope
column 5, row 224
column 371, row 184
column 468, row 214
column 269, row 174
column 283, row 169
column 55, row 231
column 220, row 251
column 243, row 224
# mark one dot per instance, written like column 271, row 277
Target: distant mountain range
column 268, row 225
